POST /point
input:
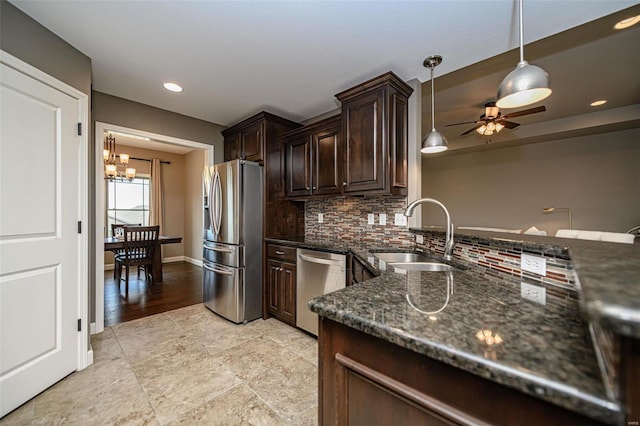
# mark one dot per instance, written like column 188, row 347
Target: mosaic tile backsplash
column 345, row 219
column 505, row 258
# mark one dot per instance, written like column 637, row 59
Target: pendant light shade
column 435, row 141
column 524, row 85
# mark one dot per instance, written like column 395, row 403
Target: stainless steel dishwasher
column 319, row 273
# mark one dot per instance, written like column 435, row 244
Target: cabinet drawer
column 281, row 252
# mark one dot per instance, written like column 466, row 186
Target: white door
column 39, row 196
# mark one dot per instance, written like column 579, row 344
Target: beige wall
column 123, row 112
column 597, row 176
column 173, row 193
column 26, row 39
column 194, row 163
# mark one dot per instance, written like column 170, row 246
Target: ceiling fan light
column 499, row 127
column 434, row 142
column 481, row 129
column 525, row 85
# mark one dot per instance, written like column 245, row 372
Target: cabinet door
column 288, row 295
column 299, row 166
column 273, row 286
column 251, row 139
column 232, row 147
column 327, row 176
column 365, row 158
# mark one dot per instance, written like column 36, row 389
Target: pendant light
column 435, row 141
column 526, row 84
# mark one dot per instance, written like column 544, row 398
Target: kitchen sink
column 399, row 257
column 413, row 262
column 425, row 266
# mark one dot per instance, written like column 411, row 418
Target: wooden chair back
column 115, row 226
column 140, row 243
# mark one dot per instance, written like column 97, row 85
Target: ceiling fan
column 492, row 121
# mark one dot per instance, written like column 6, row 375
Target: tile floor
column 186, row 366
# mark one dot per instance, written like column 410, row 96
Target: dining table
column 115, row 244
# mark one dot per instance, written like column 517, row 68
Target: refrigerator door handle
column 216, row 249
column 216, row 211
column 216, row 270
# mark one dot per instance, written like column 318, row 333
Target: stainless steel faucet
column 448, row 245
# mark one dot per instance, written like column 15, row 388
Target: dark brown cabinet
column 281, row 283
column 248, row 140
column 313, row 159
column 374, row 129
column 359, row 272
column 406, row 387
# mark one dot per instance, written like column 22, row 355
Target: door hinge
column 79, row 324
column 79, row 227
column 79, row 129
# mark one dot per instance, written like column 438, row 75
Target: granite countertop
column 544, row 351
column 608, row 275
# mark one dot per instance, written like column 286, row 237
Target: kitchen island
column 486, row 355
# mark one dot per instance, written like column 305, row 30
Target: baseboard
column 173, row 259
column 193, row 261
column 111, row 266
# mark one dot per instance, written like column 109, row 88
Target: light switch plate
column 400, row 219
column 371, row 219
column 534, row 293
column 419, row 238
column 535, row 264
column 320, row 218
column 383, row 218
column 371, row 260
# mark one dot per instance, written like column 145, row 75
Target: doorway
column 156, row 141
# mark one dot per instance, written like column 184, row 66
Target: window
column 128, row 202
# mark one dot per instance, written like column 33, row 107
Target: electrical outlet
column 534, row 293
column 399, row 270
column 419, row 238
column 320, row 218
column 400, row 219
column 535, row 264
column 371, row 260
column 382, row 265
column 383, row 218
column 371, row 219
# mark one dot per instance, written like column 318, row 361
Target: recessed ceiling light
column 173, row 87
column 626, row 23
column 598, row 103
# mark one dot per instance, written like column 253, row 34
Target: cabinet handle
column 307, row 188
column 314, row 188
column 278, row 252
column 344, row 183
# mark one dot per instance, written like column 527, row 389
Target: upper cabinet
column 374, row 129
column 314, row 160
column 249, row 139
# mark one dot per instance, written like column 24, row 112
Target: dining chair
column 114, row 227
column 140, row 243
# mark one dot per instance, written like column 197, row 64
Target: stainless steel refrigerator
column 232, row 247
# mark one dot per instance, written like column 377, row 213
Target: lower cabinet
column 364, row 380
column 359, row 272
column 281, row 283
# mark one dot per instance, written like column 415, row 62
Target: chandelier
column 109, row 155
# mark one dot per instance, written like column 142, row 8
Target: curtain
column 155, row 199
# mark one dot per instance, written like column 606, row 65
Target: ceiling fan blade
column 524, row 112
column 471, row 130
column 464, row 122
column 509, row 124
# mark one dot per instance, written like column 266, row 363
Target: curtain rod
column 146, row 159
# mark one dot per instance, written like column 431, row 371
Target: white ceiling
column 235, row 58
